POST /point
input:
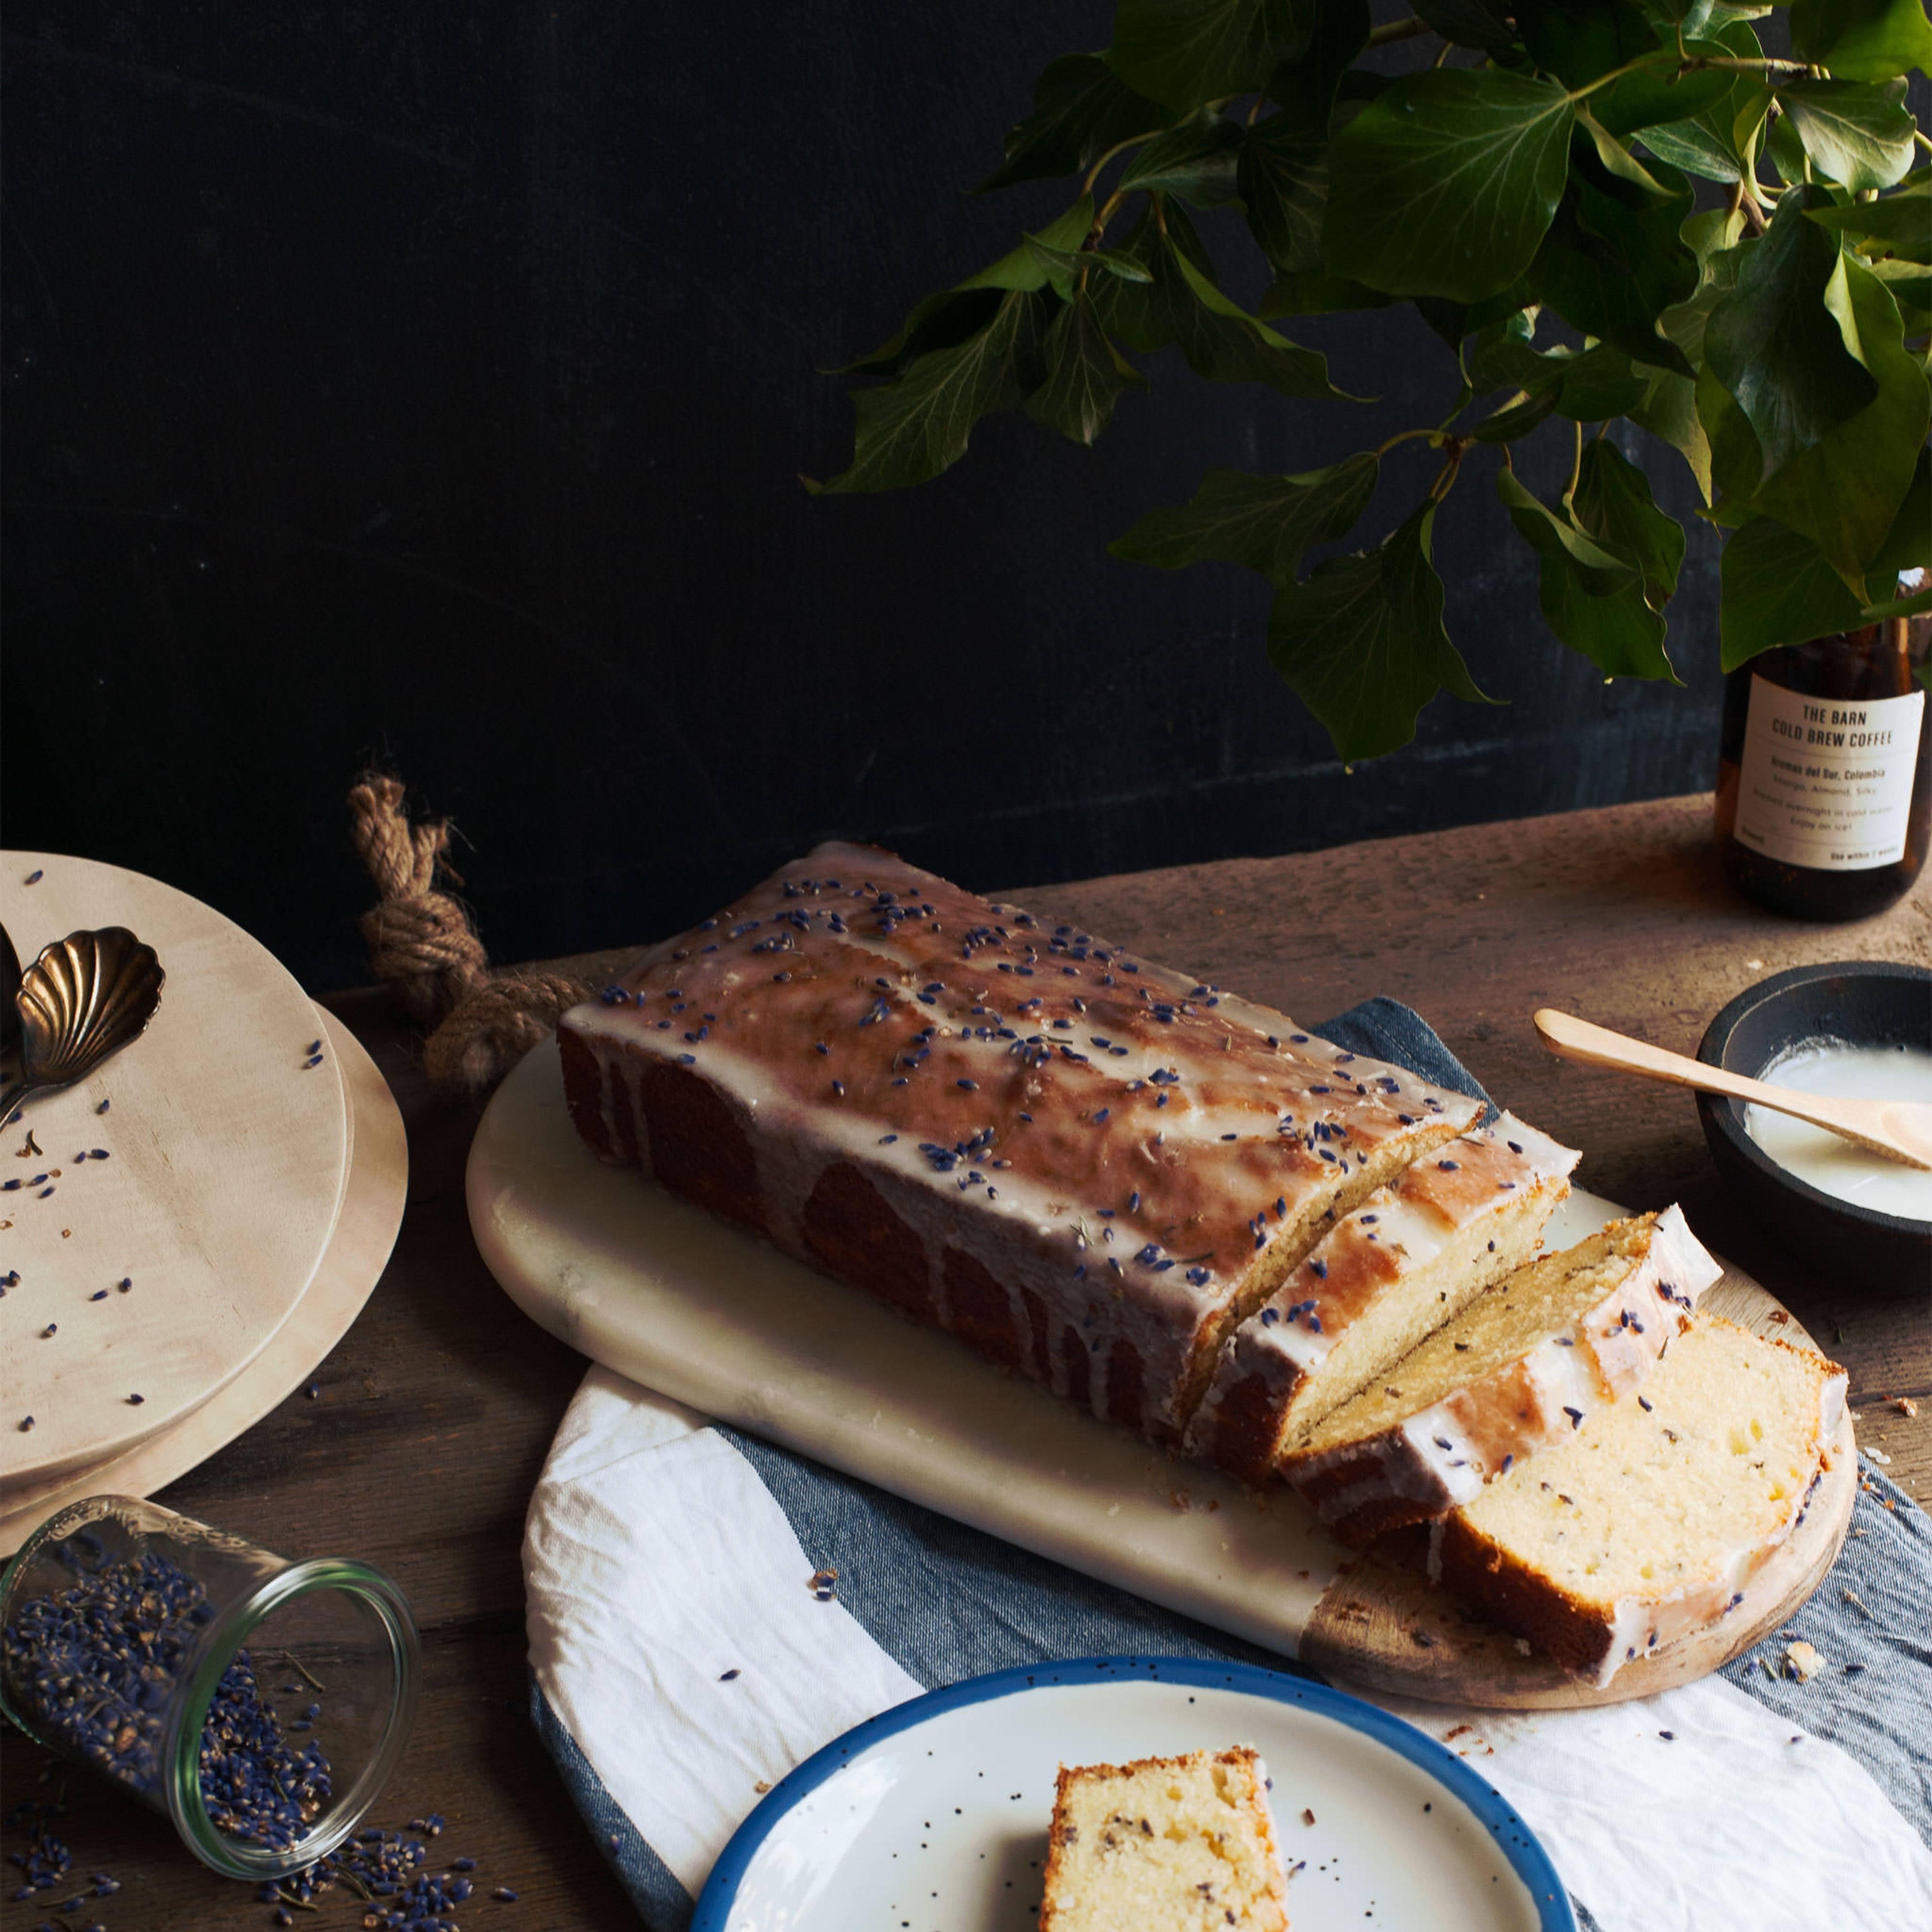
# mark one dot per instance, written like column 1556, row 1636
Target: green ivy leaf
column 1777, row 589
column 1444, row 184
column 1084, row 373
column 1775, row 342
column 911, row 430
column 1669, row 413
column 1265, row 523
column 1360, row 642
column 1283, row 179
column 1858, row 133
column 1580, row 40
column 1487, row 24
column 1618, row 160
column 1519, row 419
column 1067, row 263
column 1590, row 385
column 1305, row 86
column 1593, row 601
column 1196, row 160
column 1863, row 40
column 1031, row 266
column 1614, row 259
column 1650, row 98
column 1611, row 503
column 1224, row 343
column 1182, row 306
column 1909, row 547
column 1314, row 292
column 1916, row 604
column 1705, row 143
column 1897, row 224
column 938, row 322
column 1081, row 108
column 1844, row 492
column 1185, row 53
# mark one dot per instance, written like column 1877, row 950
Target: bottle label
column 1826, row 782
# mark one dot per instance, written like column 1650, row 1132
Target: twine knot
column 422, row 943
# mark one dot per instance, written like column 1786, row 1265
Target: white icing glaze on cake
column 1109, row 1140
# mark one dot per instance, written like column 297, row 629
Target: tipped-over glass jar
column 261, row 1704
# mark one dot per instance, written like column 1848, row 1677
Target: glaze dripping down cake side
column 1088, row 1167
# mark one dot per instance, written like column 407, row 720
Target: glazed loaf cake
column 1385, row 1276
column 1651, row 1520
column 1087, row 1168
column 1165, row 1844
column 1518, row 1370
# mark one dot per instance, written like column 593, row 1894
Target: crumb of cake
column 1802, row 1661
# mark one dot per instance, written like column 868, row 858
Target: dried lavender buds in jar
column 259, row 1703
column 103, row 1662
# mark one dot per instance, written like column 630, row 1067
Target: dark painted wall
column 431, row 383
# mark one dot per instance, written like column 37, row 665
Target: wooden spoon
column 1900, row 1130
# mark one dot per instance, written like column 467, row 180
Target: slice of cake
column 1384, row 1276
column 1086, row 1167
column 1165, row 1844
column 1652, row 1519
column 1519, row 1369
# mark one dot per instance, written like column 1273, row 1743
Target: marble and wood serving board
column 705, row 1313
column 359, row 1248
column 221, row 1160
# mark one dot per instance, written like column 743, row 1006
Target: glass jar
column 1824, row 801
column 261, row 1704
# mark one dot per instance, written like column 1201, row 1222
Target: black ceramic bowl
column 1858, row 1002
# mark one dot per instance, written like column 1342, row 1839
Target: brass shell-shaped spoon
column 86, row 997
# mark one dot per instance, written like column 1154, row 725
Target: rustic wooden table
column 434, row 1413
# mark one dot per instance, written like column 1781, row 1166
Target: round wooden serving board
column 358, row 1250
column 226, row 1158
column 705, row 1313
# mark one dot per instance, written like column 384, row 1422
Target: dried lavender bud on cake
column 1086, row 1167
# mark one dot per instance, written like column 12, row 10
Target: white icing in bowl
column 1827, row 1162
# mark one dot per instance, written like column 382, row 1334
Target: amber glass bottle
column 1824, row 778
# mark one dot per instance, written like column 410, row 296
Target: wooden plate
column 365, row 1232
column 227, row 1160
column 707, row 1314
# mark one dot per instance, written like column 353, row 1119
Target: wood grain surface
column 359, row 1249
column 436, row 1408
column 225, row 1154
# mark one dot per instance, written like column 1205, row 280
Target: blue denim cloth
column 947, row 1602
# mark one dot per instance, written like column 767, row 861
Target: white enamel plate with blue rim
column 933, row 1817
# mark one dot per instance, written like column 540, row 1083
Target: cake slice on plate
column 1651, row 1520
column 1165, row 1844
column 1405, row 1261
column 1518, row 1370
